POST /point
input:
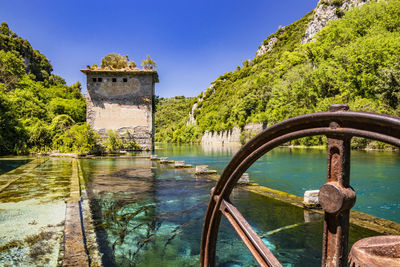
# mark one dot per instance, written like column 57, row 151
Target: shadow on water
column 154, row 216
column 10, row 164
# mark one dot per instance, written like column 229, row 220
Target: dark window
column 125, row 80
column 114, row 80
column 94, row 79
column 100, row 79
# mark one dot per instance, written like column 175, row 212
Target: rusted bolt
column 338, row 107
column 335, row 198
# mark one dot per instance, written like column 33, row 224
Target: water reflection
column 375, row 175
column 154, row 217
column 219, row 149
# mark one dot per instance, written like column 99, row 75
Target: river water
column 148, row 214
column 375, row 175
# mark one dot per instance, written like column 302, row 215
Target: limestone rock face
column 234, row 136
column 192, row 119
column 264, row 48
column 328, row 10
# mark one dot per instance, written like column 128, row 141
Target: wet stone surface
column 32, row 212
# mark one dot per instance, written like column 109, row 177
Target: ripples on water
column 375, row 175
column 153, row 217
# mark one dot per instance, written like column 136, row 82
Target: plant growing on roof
column 116, row 61
column 148, row 63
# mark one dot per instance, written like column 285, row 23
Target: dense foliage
column 36, row 64
column 354, row 60
column 171, row 117
column 36, row 106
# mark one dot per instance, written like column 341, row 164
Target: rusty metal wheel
column 336, row 196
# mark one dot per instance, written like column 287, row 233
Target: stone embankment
column 234, row 136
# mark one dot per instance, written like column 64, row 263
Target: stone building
column 122, row 100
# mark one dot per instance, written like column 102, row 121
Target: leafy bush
column 80, row 138
column 113, row 141
column 116, row 61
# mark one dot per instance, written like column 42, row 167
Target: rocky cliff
column 325, row 11
column 328, row 10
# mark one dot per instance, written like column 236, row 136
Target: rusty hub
column 335, row 198
column 377, row 251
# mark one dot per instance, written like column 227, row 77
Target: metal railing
column 336, row 197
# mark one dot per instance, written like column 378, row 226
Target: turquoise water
column 147, row 214
column 375, row 175
column 9, row 164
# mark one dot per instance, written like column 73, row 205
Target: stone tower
column 122, row 100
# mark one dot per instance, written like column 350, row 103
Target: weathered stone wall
column 121, row 102
column 234, row 136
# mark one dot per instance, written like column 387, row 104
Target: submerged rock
column 203, row 170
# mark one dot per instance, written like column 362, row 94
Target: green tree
column 12, row 68
column 12, row 134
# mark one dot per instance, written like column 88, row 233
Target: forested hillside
column 353, row 60
column 36, row 106
column 171, row 117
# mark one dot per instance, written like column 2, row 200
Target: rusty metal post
column 337, row 197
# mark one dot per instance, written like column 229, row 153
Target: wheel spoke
column 253, row 242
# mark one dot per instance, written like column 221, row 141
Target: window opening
column 114, row 80
column 125, row 80
column 94, row 79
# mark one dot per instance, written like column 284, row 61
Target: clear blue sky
column 193, row 42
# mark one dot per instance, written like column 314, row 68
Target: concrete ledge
column 364, row 220
column 75, row 252
column 358, row 218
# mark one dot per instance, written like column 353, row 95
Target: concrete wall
column 123, row 104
